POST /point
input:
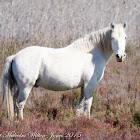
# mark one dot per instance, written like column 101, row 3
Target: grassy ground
column 115, row 113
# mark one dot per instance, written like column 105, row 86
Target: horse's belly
column 59, row 85
column 61, row 82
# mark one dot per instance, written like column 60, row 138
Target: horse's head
column 118, row 40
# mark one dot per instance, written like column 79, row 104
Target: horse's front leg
column 86, row 97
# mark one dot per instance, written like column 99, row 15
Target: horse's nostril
column 117, row 56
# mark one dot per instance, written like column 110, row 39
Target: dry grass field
column 115, row 113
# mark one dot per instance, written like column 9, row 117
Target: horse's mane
column 90, row 41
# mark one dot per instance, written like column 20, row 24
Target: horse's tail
column 7, row 86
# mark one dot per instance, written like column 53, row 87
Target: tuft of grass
column 115, row 70
column 136, row 118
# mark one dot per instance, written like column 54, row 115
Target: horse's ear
column 125, row 24
column 112, row 25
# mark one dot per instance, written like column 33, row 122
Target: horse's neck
column 99, row 41
column 104, row 46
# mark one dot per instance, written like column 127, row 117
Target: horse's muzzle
column 120, row 58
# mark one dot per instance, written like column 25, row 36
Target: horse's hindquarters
column 25, row 68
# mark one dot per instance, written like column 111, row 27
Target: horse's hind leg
column 23, row 94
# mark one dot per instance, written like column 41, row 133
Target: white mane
column 98, row 38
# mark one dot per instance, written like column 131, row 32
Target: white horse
column 80, row 64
